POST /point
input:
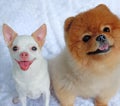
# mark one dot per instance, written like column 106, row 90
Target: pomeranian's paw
column 101, row 105
column 66, row 105
column 16, row 100
column 98, row 103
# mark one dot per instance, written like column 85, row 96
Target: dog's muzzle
column 103, row 47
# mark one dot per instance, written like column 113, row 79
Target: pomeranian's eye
column 15, row 48
column 34, row 48
column 106, row 29
column 86, row 38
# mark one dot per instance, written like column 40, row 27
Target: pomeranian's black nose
column 101, row 38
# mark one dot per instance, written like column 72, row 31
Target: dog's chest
column 33, row 82
column 89, row 85
column 31, row 89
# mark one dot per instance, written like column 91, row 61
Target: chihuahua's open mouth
column 24, row 65
column 101, row 49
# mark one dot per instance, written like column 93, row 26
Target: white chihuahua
column 29, row 67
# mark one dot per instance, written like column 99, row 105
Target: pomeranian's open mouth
column 24, row 65
column 101, row 49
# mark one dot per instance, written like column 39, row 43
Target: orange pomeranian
column 89, row 66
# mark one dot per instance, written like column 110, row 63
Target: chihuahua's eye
column 15, row 48
column 34, row 48
column 106, row 29
column 86, row 38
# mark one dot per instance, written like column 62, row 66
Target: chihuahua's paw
column 16, row 100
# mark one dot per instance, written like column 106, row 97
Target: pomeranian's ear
column 40, row 34
column 9, row 34
column 68, row 23
column 102, row 7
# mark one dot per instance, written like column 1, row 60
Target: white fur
column 81, row 83
column 35, row 81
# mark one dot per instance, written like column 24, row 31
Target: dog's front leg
column 47, row 98
column 22, row 95
column 23, row 100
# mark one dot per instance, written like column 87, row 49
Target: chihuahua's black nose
column 101, row 38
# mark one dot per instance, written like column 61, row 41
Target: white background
column 25, row 16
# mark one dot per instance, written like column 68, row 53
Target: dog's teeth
column 104, row 47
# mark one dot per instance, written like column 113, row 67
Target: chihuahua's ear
column 68, row 23
column 9, row 34
column 40, row 34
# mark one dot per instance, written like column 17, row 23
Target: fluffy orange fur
column 76, row 73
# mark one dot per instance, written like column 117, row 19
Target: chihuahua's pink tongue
column 24, row 65
column 104, row 47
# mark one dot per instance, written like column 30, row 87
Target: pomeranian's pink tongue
column 24, row 65
column 104, row 47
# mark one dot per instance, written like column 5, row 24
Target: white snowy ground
column 25, row 16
